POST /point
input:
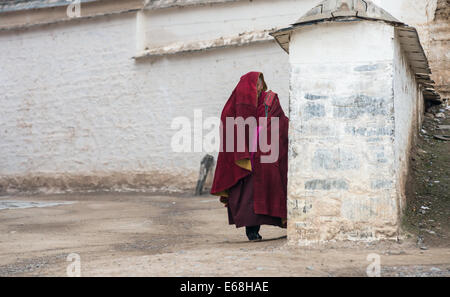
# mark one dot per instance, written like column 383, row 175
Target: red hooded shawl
column 270, row 179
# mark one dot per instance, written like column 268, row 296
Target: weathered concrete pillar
column 342, row 113
column 347, row 152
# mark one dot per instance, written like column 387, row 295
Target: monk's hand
column 224, row 200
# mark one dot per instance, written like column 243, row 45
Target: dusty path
column 143, row 235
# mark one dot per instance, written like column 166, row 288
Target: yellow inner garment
column 244, row 163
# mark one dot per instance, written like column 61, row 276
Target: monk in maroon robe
column 251, row 181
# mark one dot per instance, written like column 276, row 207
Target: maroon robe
column 268, row 180
column 240, row 206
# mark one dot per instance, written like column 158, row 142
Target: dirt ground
column 145, row 235
column 126, row 234
column 427, row 215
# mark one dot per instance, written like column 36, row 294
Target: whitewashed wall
column 341, row 183
column 198, row 23
column 78, row 113
column 408, row 106
column 411, row 12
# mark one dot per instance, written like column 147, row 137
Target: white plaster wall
column 74, row 102
column 411, row 12
column 407, row 104
column 329, row 43
column 198, row 23
column 341, row 153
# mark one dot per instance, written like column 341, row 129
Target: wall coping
column 241, row 39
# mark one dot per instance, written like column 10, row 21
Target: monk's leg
column 253, row 232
